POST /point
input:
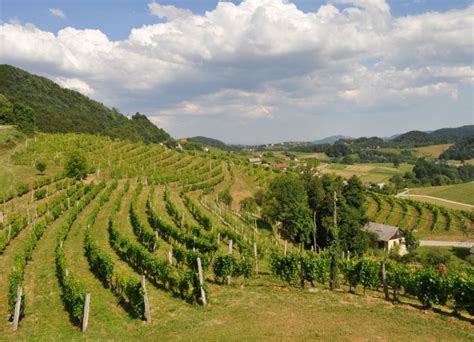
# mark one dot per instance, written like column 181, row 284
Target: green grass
column 375, row 173
column 263, row 310
column 453, row 257
column 463, row 193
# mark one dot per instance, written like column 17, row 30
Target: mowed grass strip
column 45, row 316
column 463, row 193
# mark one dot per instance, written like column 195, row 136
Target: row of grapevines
column 180, row 282
column 169, row 233
column 127, row 289
column 73, row 291
column 145, row 236
column 20, row 220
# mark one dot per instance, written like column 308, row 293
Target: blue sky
column 259, row 70
column 117, row 17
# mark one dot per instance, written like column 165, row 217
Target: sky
column 256, row 71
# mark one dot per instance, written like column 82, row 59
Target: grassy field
column 432, row 151
column 376, row 173
column 463, row 193
column 262, row 310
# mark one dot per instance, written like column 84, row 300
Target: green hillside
column 59, row 110
column 210, row 141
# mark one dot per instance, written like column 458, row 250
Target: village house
column 281, row 166
column 256, row 161
column 388, row 237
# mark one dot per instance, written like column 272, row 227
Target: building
column 388, row 237
column 281, row 166
column 256, row 161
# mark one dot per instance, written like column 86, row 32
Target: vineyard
column 147, row 247
column 425, row 219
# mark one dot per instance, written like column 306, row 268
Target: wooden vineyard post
column 219, row 237
column 146, row 303
column 384, row 282
column 170, row 257
column 230, row 246
column 286, row 247
column 256, row 256
column 201, row 282
column 16, row 316
column 85, row 318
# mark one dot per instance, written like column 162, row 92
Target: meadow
column 463, row 193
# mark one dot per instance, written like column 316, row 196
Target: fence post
column 85, row 318
column 170, row 257
column 256, row 256
column 201, row 282
column 146, row 303
column 384, row 282
column 16, row 317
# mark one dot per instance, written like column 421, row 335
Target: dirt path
column 433, row 243
column 406, row 194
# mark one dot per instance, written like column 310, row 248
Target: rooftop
column 383, row 231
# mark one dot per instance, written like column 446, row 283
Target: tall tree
column 6, row 110
column 286, row 202
column 24, row 118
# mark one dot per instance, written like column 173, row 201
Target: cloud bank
column 262, row 63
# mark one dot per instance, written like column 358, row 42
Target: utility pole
column 314, row 231
column 333, row 268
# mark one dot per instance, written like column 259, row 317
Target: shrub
column 40, row 194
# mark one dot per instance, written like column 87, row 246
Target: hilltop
column 59, row 110
column 210, row 142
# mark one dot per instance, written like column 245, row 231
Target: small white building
column 388, row 237
column 256, row 161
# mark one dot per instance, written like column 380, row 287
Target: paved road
column 446, row 243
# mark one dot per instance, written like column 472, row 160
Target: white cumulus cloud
column 260, row 60
column 57, row 12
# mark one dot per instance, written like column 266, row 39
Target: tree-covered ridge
column 458, row 132
column 62, row 110
column 210, row 141
column 462, row 150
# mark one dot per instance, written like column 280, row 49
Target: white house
column 257, row 161
column 388, row 237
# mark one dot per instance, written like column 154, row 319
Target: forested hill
column 210, row 141
column 62, row 110
column 458, row 132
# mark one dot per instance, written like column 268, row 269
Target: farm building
column 256, row 161
column 281, row 166
column 388, row 237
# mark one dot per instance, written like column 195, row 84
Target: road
column 446, row 243
column 406, row 194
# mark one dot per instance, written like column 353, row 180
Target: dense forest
column 42, row 103
column 462, row 150
column 426, row 172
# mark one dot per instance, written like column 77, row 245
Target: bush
column 40, row 194
column 41, row 166
column 76, row 166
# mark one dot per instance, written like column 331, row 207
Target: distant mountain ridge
column 59, row 110
column 331, row 139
